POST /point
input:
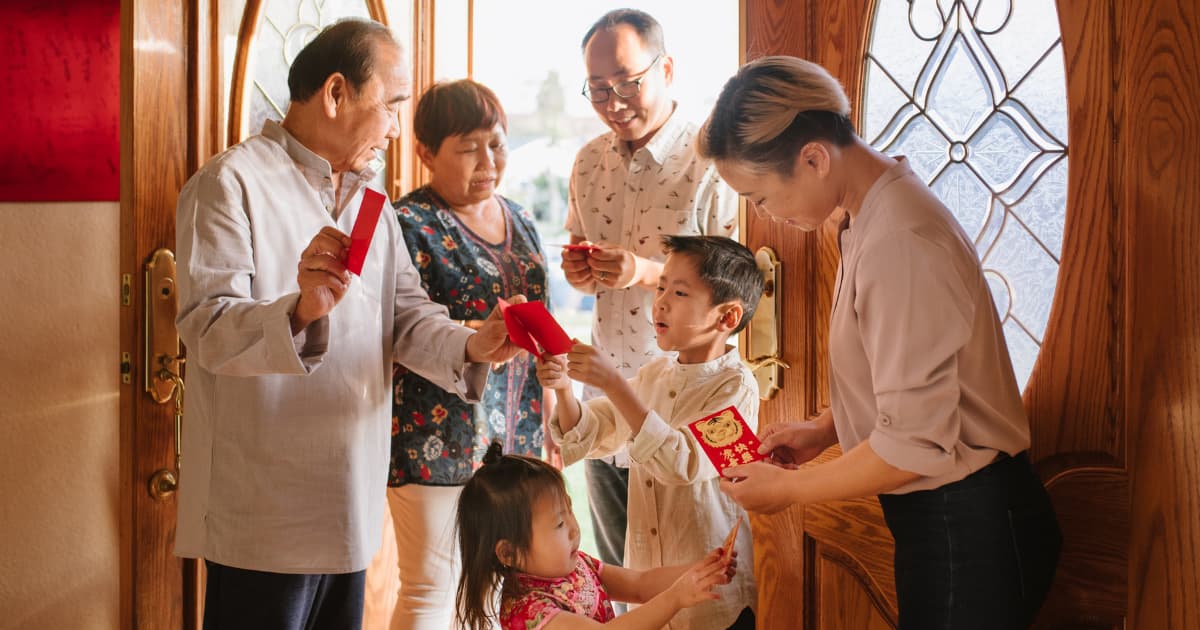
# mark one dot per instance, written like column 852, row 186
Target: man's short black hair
column 726, row 266
column 644, row 24
column 347, row 46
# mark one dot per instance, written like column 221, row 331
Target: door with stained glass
column 1002, row 108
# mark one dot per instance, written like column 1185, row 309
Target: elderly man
column 640, row 180
column 286, row 442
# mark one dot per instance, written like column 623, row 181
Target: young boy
column 709, row 288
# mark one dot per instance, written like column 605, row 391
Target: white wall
column 59, row 415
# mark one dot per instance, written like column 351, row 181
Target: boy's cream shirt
column 677, row 512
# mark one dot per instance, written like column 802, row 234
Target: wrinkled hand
column 792, row 443
column 552, row 372
column 613, row 266
column 322, row 277
column 490, row 343
column 589, row 366
column 696, row 584
column 576, row 268
column 759, row 487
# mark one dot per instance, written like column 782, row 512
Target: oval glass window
column 974, row 93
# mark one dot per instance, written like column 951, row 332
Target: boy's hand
column 696, row 584
column 589, row 366
column 552, row 372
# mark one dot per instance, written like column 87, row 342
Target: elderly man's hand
column 490, row 343
column 322, row 277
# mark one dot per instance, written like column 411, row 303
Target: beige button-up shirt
column 631, row 200
column 919, row 364
column 286, row 439
column 677, row 512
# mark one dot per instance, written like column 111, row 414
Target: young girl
column 520, row 542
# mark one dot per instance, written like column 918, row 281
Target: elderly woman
column 471, row 246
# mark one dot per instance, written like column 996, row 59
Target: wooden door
column 1095, row 387
column 178, row 110
column 158, row 590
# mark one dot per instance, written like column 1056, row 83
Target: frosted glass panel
column 285, row 27
column 973, row 92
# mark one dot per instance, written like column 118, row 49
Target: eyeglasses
column 626, row 89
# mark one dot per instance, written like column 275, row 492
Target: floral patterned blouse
column 541, row 599
column 437, row 438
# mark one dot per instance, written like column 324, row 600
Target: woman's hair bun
column 494, row 453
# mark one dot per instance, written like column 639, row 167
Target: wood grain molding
column 1158, row 191
column 154, row 156
column 240, row 78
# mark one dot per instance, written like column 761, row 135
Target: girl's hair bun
column 494, row 453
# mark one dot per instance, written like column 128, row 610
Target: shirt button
column 885, row 420
column 649, row 484
column 671, row 393
column 653, row 531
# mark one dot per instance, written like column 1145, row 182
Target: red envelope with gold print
column 726, row 439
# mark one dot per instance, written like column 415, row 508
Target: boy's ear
column 504, row 553
column 732, row 316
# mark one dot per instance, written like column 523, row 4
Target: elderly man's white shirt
column 286, row 439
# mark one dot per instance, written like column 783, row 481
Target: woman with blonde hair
column 924, row 401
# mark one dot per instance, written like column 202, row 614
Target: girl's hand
column 589, row 366
column 760, row 486
column 552, row 372
column 696, row 584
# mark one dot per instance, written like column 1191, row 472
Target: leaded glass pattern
column 974, row 93
column 284, row 28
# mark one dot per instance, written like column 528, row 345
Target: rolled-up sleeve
column 672, row 455
column 915, row 314
column 597, row 434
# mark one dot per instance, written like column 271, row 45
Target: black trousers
column 975, row 554
column 241, row 598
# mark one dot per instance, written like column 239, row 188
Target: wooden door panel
column 845, row 599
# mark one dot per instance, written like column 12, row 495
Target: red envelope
column 726, row 439
column 577, row 247
column 364, row 229
column 731, row 538
column 530, row 325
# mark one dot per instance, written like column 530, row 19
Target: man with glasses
column 628, row 187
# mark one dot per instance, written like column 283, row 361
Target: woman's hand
column 589, row 366
column 760, row 487
column 552, row 372
column 696, row 584
column 792, row 443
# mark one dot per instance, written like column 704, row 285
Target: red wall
column 60, row 104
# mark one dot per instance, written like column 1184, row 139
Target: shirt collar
column 870, row 201
column 730, row 360
column 304, row 156
column 662, row 144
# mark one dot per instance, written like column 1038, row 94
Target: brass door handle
column 761, row 349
